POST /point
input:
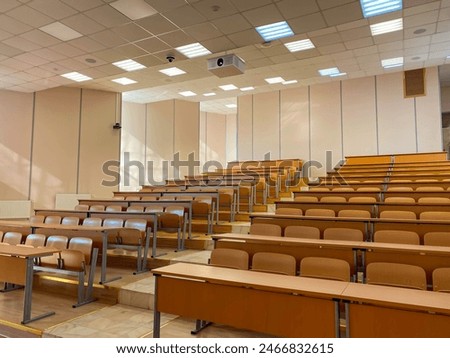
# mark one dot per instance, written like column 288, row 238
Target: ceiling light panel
column 392, row 62
column 124, row 81
column 187, row 93
column 245, row 89
column 291, row 82
column 76, row 76
column 129, row 65
column 231, row 105
column 274, row 80
column 229, row 87
column 172, row 71
column 134, row 9
column 377, row 7
column 274, row 31
column 386, row 27
column 209, row 94
column 193, row 50
column 60, row 31
column 329, row 71
column 301, row 45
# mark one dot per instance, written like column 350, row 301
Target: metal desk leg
column 104, row 260
column 156, row 313
column 28, row 295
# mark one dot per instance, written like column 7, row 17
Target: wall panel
column 15, row 144
column 55, row 144
column 326, row 129
column 99, row 141
column 245, row 128
column 396, row 123
column 133, row 137
column 216, row 129
column 231, row 145
column 294, row 123
column 359, row 116
column 266, row 125
column 429, row 127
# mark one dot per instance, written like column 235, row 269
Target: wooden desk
column 299, row 248
column 320, row 194
column 16, row 267
column 390, row 312
column 248, row 300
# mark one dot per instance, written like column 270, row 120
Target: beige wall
column 349, row 117
column 49, row 143
column 214, row 140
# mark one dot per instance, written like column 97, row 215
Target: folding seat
column 437, row 238
column 92, row 222
column 173, row 220
column 397, row 237
column 441, row 279
column 302, row 232
column 288, row 211
column 348, row 213
column 398, row 214
column 12, row 238
column 230, row 258
column 344, row 234
column 52, row 219
column 320, row 212
column 70, row 220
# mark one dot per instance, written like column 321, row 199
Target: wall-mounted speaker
column 414, row 83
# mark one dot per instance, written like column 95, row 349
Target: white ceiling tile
column 353, row 25
column 294, row 8
column 83, row 5
column 16, row 64
column 5, row 35
column 6, row 5
column 108, row 38
column 326, row 39
column 177, row 38
column 40, row 38
column 390, row 37
column 441, row 46
column 185, row 16
column 10, row 51
column 152, row 45
column 421, row 31
column 30, row 16
column 66, row 50
column 232, row 24
column 443, row 26
column 335, row 48
column 132, row 32
column 164, row 5
column 421, row 19
column 157, row 24
column 72, row 65
column 203, row 31
column 212, row 9
column 13, row 26
column 364, row 43
column 107, row 16
column 444, row 14
column 283, row 58
column 48, row 54
column 417, row 51
column 412, row 7
column 326, row 4
column 245, row 38
column 342, row 14
column 39, row 72
column 21, row 43
column 109, row 70
column 53, row 8
column 354, row 34
column 249, row 4
column 219, row 44
column 263, row 15
column 83, row 24
column 418, row 41
column 32, row 59
column 131, row 51
column 307, row 23
column 391, row 46
column 26, row 76
column 86, row 44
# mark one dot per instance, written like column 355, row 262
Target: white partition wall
column 364, row 116
column 214, row 144
column 231, row 141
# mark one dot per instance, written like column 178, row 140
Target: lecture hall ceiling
column 96, row 33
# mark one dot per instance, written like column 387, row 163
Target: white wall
column 349, row 117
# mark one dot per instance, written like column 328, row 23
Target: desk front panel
column 275, row 313
column 13, row 269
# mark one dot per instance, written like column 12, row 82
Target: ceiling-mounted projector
column 227, row 65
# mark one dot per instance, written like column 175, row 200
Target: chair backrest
column 37, row 219
column 429, row 188
column 265, row 229
column 97, row 208
column 57, row 241
column 395, row 274
column 52, row 219
column 184, row 197
column 113, row 222
column 343, row 234
column 333, row 199
column 274, row 263
column 302, row 232
column 132, row 197
column 433, row 200
column 343, row 190
column 362, row 199
column 399, row 188
column 154, row 209
column 140, row 224
column 73, row 260
column 288, row 211
column 70, row 220
column 399, row 199
column 397, row 237
column 92, row 222
column 12, row 238
column 35, row 240
column 320, row 212
column 441, row 279
column 83, row 244
column 347, row 213
column 369, row 189
column 398, row 214
column 200, row 209
column 135, row 209
column 306, row 199
column 325, row 268
column 434, row 215
column 113, row 208
column 230, row 258
column 437, row 238
column 1, row 236
column 81, row 207
column 318, row 189
column 175, row 209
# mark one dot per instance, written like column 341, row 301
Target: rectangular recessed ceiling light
column 193, row 50
column 60, row 31
column 392, row 62
column 244, row 89
column 301, row 45
column 378, row 7
column 133, row 9
column 386, row 27
column 329, row 71
column 172, row 71
column 339, row 74
column 231, row 105
column 274, row 80
column 228, row 87
column 124, row 81
column 290, row 82
column 77, row 77
column 188, row 93
column 209, row 94
column 129, row 65
column 274, row 31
